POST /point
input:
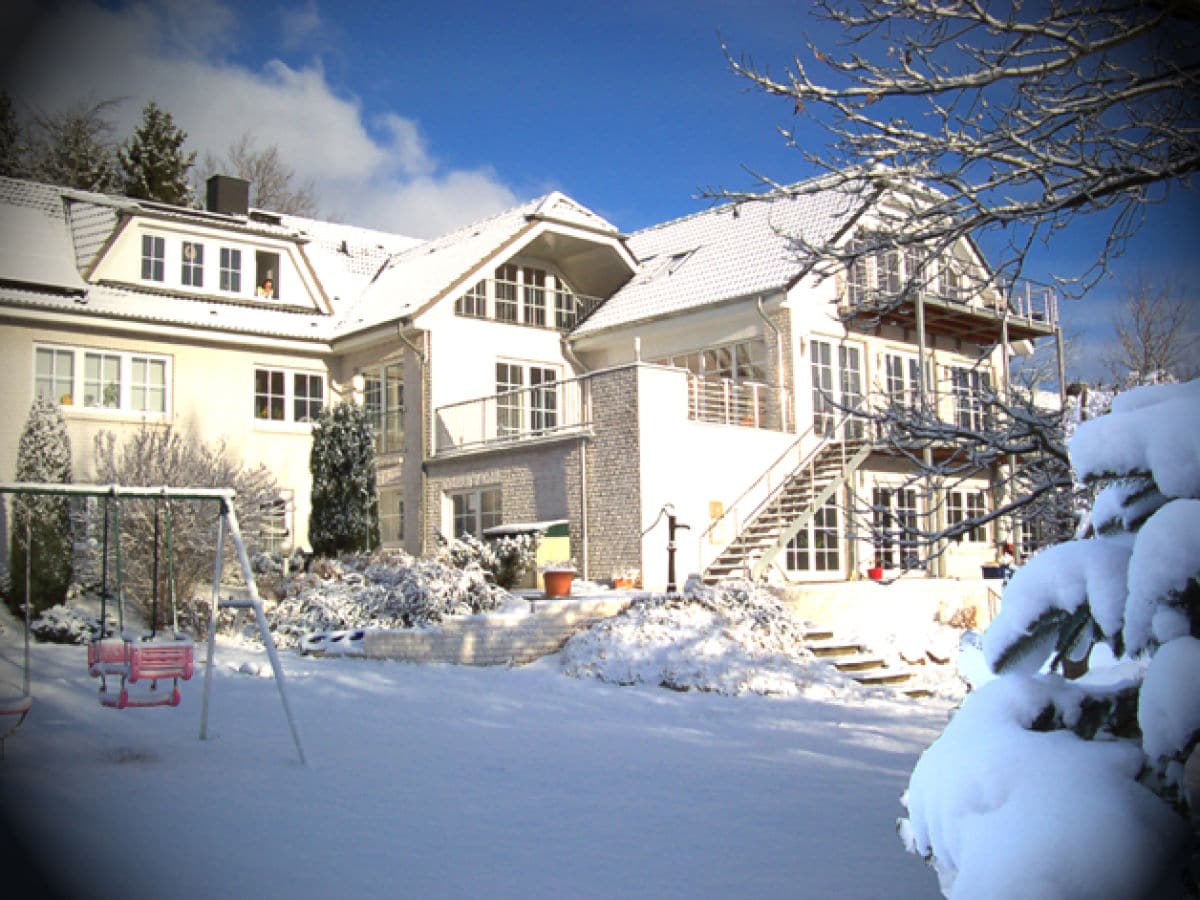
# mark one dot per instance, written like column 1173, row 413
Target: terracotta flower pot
column 875, row 573
column 558, row 584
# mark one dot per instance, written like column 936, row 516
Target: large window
column 284, row 395
column 894, row 527
column 522, row 295
column 154, row 255
column 474, row 511
column 816, row 546
column 102, row 379
column 506, row 294
column 474, row 302
column 535, row 296
column 520, row 411
column 962, row 506
column 192, row 264
column 383, row 401
column 971, row 389
column 832, row 397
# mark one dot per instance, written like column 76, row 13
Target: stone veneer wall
column 495, row 639
column 614, row 475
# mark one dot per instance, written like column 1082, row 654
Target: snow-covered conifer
column 153, row 164
column 345, row 510
column 1044, row 786
column 43, row 455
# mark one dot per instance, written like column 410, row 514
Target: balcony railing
column 525, row 304
column 747, row 404
column 547, row 409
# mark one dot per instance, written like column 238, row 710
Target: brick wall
column 613, row 475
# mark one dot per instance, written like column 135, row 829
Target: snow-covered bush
column 345, row 508
column 63, row 624
column 505, row 558
column 153, row 457
column 1043, row 787
column 387, row 589
column 43, row 455
column 733, row 639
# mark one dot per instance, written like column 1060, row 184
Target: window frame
column 154, row 258
column 281, row 394
column 78, row 380
column 383, row 404
column 230, row 269
column 191, row 264
column 964, row 504
column 482, row 518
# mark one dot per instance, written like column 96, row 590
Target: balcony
column 556, row 408
column 726, row 402
column 533, row 305
column 1031, row 312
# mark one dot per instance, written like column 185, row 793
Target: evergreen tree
column 153, row 164
column 43, row 455
column 345, row 510
column 74, row 149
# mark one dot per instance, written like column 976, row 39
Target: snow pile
column 382, row 590
column 733, row 639
column 64, row 624
column 1041, row 787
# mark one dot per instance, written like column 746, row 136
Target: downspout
column 779, row 373
column 426, row 419
column 586, row 400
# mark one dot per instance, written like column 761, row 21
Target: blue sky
column 417, row 117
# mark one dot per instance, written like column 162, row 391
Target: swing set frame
column 227, row 524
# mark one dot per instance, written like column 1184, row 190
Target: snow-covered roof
column 723, row 253
column 413, row 278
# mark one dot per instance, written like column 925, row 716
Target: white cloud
column 172, row 51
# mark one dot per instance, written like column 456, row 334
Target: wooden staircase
column 790, row 508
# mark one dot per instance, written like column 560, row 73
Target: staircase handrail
column 771, row 490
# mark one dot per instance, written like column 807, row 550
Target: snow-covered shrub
column 386, row 589
column 505, row 558
column 733, row 639
column 1043, row 787
column 63, row 624
column 345, row 508
column 43, row 455
column 153, row 457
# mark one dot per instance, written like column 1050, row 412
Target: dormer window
column 525, row 295
column 154, row 254
column 192, row 264
column 231, row 270
column 266, row 275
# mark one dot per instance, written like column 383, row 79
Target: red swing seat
column 148, row 659
column 122, row 699
column 16, row 706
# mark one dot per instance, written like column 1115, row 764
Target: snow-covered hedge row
column 387, row 589
column 733, row 639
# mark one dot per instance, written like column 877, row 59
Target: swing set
column 135, row 661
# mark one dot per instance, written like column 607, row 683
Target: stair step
column 825, row 649
column 857, row 663
column 884, row 677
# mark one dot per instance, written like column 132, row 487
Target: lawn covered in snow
column 442, row 781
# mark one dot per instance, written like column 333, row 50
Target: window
column 829, row 402
column 523, row 411
column 815, row 547
column 543, row 400
column 282, row 395
column 535, row 296
column 308, row 396
column 383, row 402
column 475, row 511
column 887, row 273
column 266, row 275
column 276, row 532
column 856, row 274
column 971, row 390
column 391, row 517
column 154, row 254
column 148, row 384
column 506, row 294
column 192, row 265
column 510, row 379
column 964, row 505
column 231, row 270
column 54, row 375
column 102, row 379
column 566, row 308
column 894, row 527
column 474, row 302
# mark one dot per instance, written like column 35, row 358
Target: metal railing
column 513, row 416
column 764, row 489
column 747, row 404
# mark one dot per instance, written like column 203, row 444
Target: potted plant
column 557, row 578
column 875, row 573
column 625, row 579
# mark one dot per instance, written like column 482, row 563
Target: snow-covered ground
column 441, row 781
